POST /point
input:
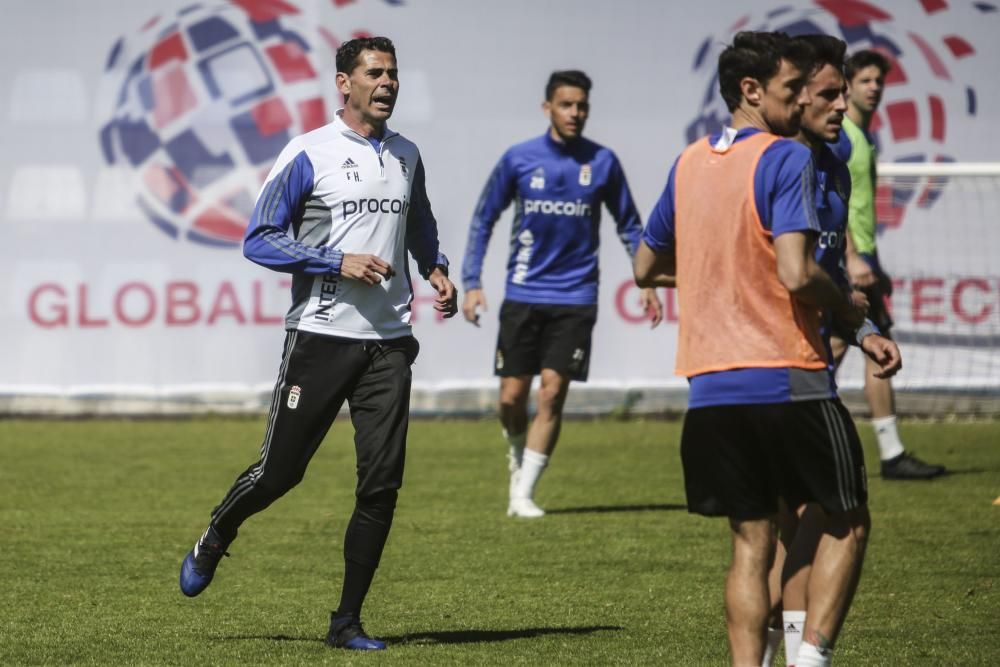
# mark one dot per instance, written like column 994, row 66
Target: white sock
column 516, row 450
column 889, row 444
column 532, row 466
column 794, row 622
column 771, row 648
column 813, row 656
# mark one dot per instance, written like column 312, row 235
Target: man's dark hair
column 347, row 54
column 569, row 77
column 862, row 59
column 758, row 55
column 827, row 50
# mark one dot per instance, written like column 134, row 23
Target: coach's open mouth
column 386, row 101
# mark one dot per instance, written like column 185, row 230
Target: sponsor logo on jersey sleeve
column 523, row 257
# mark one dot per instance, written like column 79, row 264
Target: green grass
column 96, row 516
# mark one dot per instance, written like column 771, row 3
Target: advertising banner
column 136, row 137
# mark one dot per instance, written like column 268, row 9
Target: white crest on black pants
column 293, row 396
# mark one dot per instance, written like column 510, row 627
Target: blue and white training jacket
column 332, row 191
column 558, row 189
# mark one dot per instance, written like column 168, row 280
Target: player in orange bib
column 735, row 231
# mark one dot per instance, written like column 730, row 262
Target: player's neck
column 810, row 141
column 858, row 117
column 366, row 128
column 743, row 118
column 559, row 139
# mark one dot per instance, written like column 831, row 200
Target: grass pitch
column 97, row 515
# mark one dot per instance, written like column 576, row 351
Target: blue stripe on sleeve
column 495, row 197
column 266, row 241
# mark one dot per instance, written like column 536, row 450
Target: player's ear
column 751, row 90
column 547, row 109
column 343, row 84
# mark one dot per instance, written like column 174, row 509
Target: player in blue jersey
column 558, row 182
column 820, row 123
column 764, row 422
column 340, row 209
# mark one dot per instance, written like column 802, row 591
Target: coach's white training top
column 332, row 191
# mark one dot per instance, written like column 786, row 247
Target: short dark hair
column 568, row 77
column 347, row 54
column 862, row 59
column 758, row 55
column 827, row 50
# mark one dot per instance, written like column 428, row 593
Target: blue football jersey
column 833, row 191
column 558, row 190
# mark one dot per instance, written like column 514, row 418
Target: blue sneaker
column 199, row 565
column 348, row 633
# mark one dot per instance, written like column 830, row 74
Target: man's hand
column 859, row 272
column 851, row 314
column 447, row 296
column 651, row 305
column 368, row 269
column 883, row 352
column 859, row 300
column 474, row 298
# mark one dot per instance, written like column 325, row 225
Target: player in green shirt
column 865, row 72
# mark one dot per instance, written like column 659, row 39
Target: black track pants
column 318, row 373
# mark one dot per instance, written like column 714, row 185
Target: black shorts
column 878, row 309
column 535, row 336
column 738, row 459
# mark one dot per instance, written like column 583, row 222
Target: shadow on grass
column 271, row 638
column 951, row 472
column 449, row 636
column 606, row 509
column 488, row 636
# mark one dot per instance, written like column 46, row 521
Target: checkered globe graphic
column 926, row 92
column 205, row 102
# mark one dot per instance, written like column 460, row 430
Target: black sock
column 357, row 581
column 224, row 538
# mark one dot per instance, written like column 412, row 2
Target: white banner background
column 99, row 303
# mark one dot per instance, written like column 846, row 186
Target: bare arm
column 653, row 269
column 808, row 282
column 858, row 271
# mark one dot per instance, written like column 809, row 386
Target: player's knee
column 511, row 400
column 514, row 393
column 552, row 395
column 274, row 487
column 384, row 499
column 854, row 525
column 753, row 543
column 550, row 403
